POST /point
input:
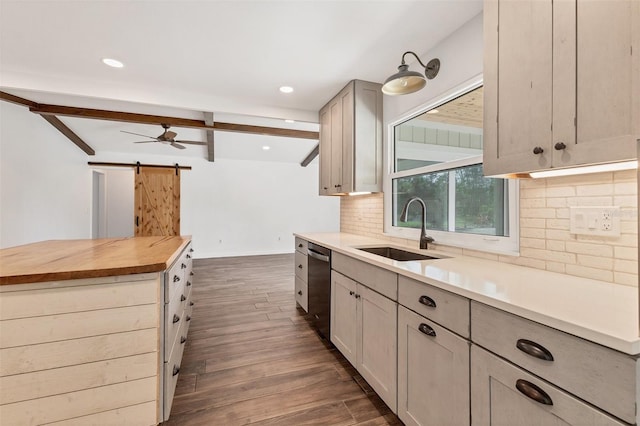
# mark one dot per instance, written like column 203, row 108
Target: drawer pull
column 188, row 283
column 427, row 301
column 300, row 292
column 182, row 339
column 190, row 250
column 300, row 245
column 183, row 266
column 532, row 391
column 176, row 278
column 175, row 318
column 534, row 349
column 191, row 273
column 351, row 292
column 538, row 150
column 188, row 318
column 424, row 328
column 191, row 303
column 176, row 370
column 182, row 298
column 188, row 256
column 300, row 266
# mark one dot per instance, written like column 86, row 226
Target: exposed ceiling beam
column 309, row 158
column 62, row 128
column 99, row 114
column 208, row 120
column 17, row 100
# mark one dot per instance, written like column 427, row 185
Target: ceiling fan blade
column 169, row 135
column 192, row 142
column 145, row 141
column 138, row 134
column 176, row 145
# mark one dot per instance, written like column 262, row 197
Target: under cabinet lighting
column 358, row 193
column 289, row 121
column 598, row 168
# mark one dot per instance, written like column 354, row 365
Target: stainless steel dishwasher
column 319, row 287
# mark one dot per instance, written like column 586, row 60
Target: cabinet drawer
column 445, row 308
column 173, row 322
column 171, row 372
column 301, row 245
column 301, row 266
column 378, row 279
column 179, row 273
column 498, row 397
column 601, row 376
column 302, row 296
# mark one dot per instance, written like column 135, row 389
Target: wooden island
column 93, row 331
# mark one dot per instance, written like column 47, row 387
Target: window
column 437, row 156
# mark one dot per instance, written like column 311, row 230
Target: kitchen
column 545, row 241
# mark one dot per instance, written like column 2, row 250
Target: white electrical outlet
column 600, row 221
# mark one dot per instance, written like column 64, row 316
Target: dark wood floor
column 252, row 358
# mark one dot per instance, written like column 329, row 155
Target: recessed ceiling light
column 112, row 62
column 286, row 89
column 289, row 121
column 266, row 148
column 432, row 111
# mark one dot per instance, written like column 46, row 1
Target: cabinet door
column 335, row 109
column 517, row 85
column 325, row 151
column 344, row 315
column 496, row 399
column 433, row 373
column 377, row 343
column 604, row 82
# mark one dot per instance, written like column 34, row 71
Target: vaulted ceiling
column 227, row 57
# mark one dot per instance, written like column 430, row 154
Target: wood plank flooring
column 252, row 358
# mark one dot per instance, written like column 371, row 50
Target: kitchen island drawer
column 447, row 309
column 381, row 280
column 302, row 296
column 302, row 245
column 599, row 375
column 301, row 266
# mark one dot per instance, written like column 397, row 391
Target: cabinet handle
column 538, row 150
column 559, row 146
column 337, row 186
column 182, row 298
column 191, row 303
column 176, row 278
column 357, row 296
column 188, row 318
column 300, row 292
column 427, row 301
column 325, row 188
column 300, row 245
column 182, row 339
column 188, row 256
column 534, row 349
column 191, row 273
column 188, row 283
column 351, row 293
column 424, row 328
column 183, row 266
column 176, row 370
column 300, row 266
column 532, row 391
column 190, row 250
column 175, row 318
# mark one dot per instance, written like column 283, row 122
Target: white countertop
column 598, row 311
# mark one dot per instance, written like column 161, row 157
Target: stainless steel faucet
column 424, row 238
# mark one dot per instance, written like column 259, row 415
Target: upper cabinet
column 351, row 140
column 561, row 83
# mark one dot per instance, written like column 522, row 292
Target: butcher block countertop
column 73, row 259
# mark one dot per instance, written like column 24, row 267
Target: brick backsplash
column 545, row 240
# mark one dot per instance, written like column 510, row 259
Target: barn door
column 157, row 202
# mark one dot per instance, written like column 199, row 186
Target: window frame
column 487, row 243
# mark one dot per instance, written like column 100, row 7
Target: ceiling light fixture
column 286, row 89
column 114, row 63
column 266, row 148
column 404, row 81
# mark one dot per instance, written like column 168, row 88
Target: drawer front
column 500, row 389
column 301, row 266
column 171, row 372
column 179, row 273
column 447, row 309
column 601, row 376
column 301, row 245
column 302, row 296
column 378, row 279
column 173, row 322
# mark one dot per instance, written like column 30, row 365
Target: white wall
column 45, row 184
column 119, row 188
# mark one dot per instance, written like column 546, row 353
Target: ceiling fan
column 167, row 137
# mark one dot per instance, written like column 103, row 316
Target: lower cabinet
column 503, row 394
column 363, row 328
column 433, row 373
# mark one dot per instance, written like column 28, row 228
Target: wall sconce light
column 405, row 81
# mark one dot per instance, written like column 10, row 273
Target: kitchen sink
column 396, row 254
